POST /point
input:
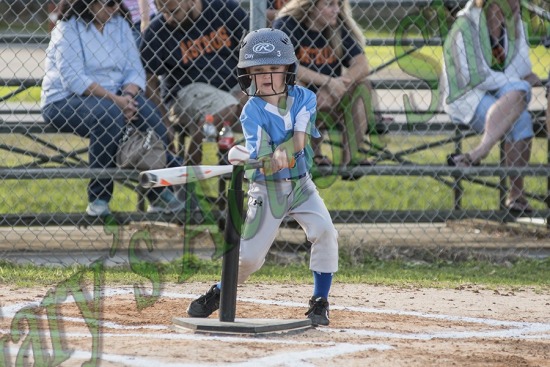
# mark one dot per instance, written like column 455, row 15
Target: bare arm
column 358, row 69
column 145, row 11
column 131, row 89
column 271, row 14
column 307, row 76
column 152, row 91
column 337, row 87
column 283, row 156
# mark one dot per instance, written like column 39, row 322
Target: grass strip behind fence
column 367, row 193
column 402, row 273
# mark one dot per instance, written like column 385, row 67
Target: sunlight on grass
column 28, row 95
column 401, row 273
column 367, row 193
column 418, row 61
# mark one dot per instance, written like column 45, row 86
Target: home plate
column 239, row 326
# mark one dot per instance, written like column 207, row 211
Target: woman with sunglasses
column 93, row 87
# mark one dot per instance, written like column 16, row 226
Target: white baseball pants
column 268, row 204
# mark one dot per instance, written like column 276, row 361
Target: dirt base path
column 370, row 326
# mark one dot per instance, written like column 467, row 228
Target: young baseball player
column 277, row 121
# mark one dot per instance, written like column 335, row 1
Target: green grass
column 28, row 95
column 368, row 193
column 437, row 274
column 425, row 63
column 402, row 193
column 57, row 195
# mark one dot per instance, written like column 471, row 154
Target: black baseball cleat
column 206, row 304
column 318, row 311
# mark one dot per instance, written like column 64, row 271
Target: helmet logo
column 263, row 48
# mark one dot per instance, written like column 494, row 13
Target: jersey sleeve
column 258, row 141
column 307, row 114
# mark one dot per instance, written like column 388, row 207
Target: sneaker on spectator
column 167, row 202
column 318, row 311
column 98, row 208
column 206, row 304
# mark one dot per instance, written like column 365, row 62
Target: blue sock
column 321, row 284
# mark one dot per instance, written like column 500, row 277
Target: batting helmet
column 266, row 46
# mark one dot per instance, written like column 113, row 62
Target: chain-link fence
column 410, row 185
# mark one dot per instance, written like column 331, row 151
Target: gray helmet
column 266, row 46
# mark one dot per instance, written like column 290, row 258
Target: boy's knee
column 248, row 265
column 322, row 232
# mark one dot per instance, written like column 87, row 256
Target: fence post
column 457, row 189
column 258, row 18
column 502, row 179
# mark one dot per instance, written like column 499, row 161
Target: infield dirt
column 370, row 326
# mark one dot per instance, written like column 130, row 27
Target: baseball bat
column 182, row 175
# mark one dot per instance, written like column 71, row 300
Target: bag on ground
column 143, row 150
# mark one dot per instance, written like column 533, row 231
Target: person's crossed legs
column 504, row 114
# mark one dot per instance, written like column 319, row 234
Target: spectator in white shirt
column 93, row 87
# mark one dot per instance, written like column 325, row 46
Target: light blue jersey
column 266, row 126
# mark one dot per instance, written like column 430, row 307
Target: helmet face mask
column 265, row 46
column 249, row 82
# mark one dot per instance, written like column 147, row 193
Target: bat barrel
column 148, row 180
column 182, row 175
